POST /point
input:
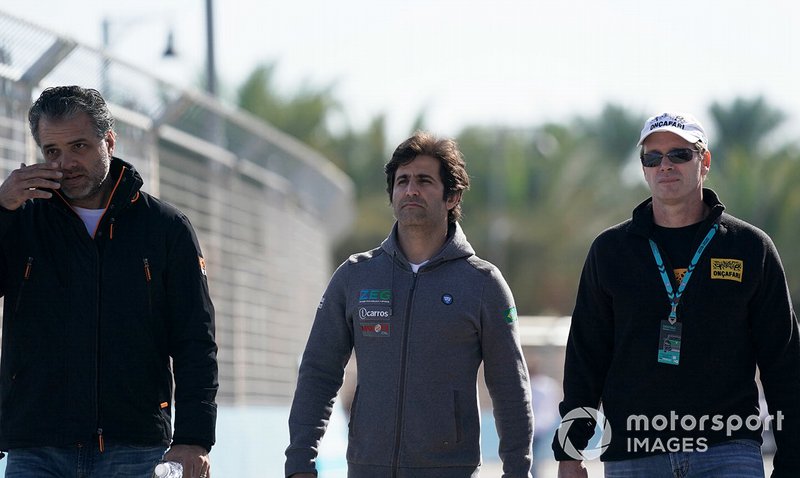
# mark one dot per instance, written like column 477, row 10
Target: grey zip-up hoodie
column 419, row 340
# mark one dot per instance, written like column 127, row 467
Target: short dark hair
column 64, row 102
column 452, row 168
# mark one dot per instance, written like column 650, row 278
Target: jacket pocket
column 441, row 430
column 23, row 334
column 155, row 331
column 148, row 279
column 433, row 422
column 166, row 419
column 26, row 275
column 28, row 409
column 353, row 409
column 9, row 392
column 457, row 416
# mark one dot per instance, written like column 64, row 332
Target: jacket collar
column 642, row 220
column 455, row 246
column 128, row 182
column 126, row 185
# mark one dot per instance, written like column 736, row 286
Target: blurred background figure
column 545, row 395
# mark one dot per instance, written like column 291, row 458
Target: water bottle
column 168, row 469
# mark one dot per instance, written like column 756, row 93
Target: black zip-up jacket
column 735, row 313
column 89, row 325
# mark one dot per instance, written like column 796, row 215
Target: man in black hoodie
column 105, row 296
column 676, row 309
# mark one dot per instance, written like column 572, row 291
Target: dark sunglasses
column 677, row 156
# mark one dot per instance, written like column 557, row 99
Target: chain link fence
column 266, row 208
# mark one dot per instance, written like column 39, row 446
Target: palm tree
column 303, row 115
column 743, row 125
column 756, row 184
column 615, row 132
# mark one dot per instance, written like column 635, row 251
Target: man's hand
column 26, row 183
column 572, row 469
column 193, row 458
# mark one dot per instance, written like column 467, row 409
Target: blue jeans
column 732, row 459
column 117, row 461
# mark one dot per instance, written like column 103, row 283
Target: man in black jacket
column 676, row 309
column 106, row 300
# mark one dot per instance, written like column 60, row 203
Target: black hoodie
column 735, row 313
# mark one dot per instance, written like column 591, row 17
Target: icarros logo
column 365, row 314
column 593, row 449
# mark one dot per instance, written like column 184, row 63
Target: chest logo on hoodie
column 375, row 296
column 727, row 269
column 376, row 330
column 447, row 299
column 374, row 313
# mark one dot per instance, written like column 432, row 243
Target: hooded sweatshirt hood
column 455, row 246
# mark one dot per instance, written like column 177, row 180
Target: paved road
column 550, row 470
column 595, row 468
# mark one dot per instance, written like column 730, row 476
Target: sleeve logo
column 510, row 315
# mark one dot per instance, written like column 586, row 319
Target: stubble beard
column 93, row 182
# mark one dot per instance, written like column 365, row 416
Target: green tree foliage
column 612, row 132
column 756, row 179
column 743, row 126
column 541, row 194
column 364, row 153
column 304, row 115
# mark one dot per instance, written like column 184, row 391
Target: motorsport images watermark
column 690, row 423
column 673, row 422
column 584, row 413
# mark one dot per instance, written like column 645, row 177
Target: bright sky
column 512, row 63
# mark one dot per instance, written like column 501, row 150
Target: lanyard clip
column 673, row 314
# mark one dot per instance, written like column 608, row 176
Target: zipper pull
column 111, row 229
column 100, row 440
column 28, row 267
column 147, row 275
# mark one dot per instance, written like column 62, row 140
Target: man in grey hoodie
column 422, row 312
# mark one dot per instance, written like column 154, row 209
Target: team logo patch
column 510, row 315
column 727, row 269
column 374, row 313
column 379, row 296
column 202, row 265
column 321, row 302
column 376, row 330
column 447, row 299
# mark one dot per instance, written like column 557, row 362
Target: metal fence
column 266, row 208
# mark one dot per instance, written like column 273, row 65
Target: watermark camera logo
column 584, row 413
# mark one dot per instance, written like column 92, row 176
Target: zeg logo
column 375, row 295
column 364, row 314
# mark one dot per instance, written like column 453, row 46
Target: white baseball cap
column 684, row 125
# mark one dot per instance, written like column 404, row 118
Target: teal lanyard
column 675, row 298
